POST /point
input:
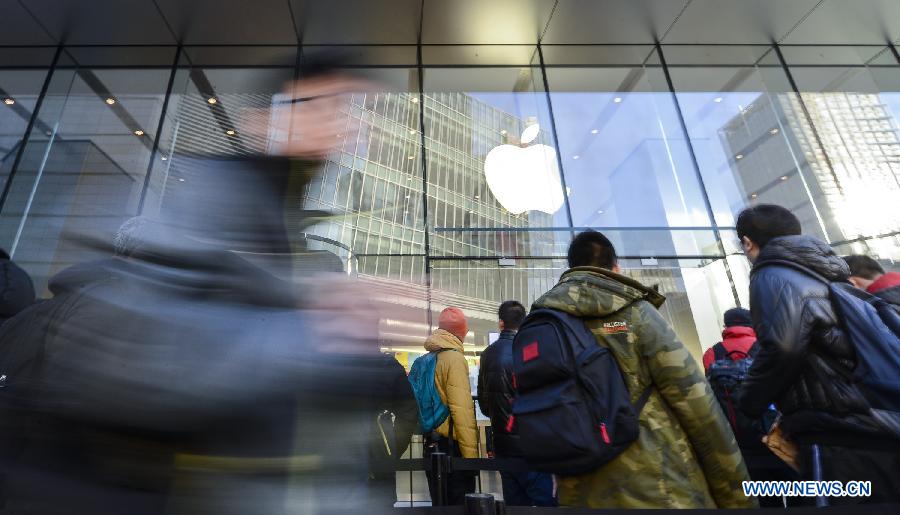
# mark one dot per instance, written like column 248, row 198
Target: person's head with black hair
column 863, row 270
column 511, row 314
column 758, row 225
column 592, row 248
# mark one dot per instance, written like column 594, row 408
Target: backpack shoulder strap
column 642, row 400
column 719, row 351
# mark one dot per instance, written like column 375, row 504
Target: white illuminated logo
column 525, row 178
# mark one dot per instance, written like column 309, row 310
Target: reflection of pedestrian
column 16, row 288
column 495, row 398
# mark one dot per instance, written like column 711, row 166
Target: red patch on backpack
column 530, row 351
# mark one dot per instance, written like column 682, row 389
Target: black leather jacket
column 804, row 356
column 496, row 392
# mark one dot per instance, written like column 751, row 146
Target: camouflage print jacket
column 686, row 455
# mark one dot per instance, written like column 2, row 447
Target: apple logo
column 525, row 178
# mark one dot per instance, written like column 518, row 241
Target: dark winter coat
column 16, row 288
column 495, row 393
column 804, row 356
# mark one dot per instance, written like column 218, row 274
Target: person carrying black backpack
column 726, row 364
column 678, row 453
column 496, row 396
column 807, row 362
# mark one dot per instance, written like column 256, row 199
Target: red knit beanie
column 454, row 322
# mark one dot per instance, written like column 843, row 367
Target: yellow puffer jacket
column 451, row 377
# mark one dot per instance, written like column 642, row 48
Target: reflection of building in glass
column 851, row 184
column 375, row 186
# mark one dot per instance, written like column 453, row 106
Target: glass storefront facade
column 659, row 147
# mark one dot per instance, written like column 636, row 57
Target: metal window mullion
column 159, row 129
column 559, row 161
column 696, row 164
column 51, row 71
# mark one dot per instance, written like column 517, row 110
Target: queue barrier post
column 480, row 504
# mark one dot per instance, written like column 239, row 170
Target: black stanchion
column 500, row 507
column 479, row 504
column 440, row 469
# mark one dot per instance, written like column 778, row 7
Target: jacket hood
column 806, row 252
column 738, row 331
column 591, row 292
column 441, row 339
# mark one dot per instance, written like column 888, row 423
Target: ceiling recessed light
column 212, row 100
column 774, row 131
column 503, row 132
column 410, row 157
column 617, row 100
column 754, row 195
column 9, row 101
column 230, row 132
column 180, row 179
column 414, row 100
column 594, row 131
column 784, row 177
column 739, row 156
column 477, row 197
column 717, row 100
column 164, row 158
column 138, row 132
column 412, row 131
column 599, row 211
column 575, row 157
column 110, row 100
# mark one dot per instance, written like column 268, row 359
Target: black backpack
column 725, row 376
column 572, row 409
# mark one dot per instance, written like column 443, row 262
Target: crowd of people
column 185, row 374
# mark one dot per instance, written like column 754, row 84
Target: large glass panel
column 83, row 171
column 373, row 185
column 490, row 156
column 626, row 161
column 743, row 125
column 479, row 286
column 19, row 90
column 851, row 124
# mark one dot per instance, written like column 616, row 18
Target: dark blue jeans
column 527, row 489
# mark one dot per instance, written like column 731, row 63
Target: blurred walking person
column 190, row 374
column 495, row 397
column 806, row 359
